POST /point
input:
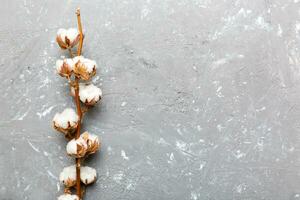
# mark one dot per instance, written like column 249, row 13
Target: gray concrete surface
column 201, row 98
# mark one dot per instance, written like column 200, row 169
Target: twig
column 75, row 84
column 85, row 109
column 77, row 100
column 71, row 53
column 80, row 32
column 79, row 112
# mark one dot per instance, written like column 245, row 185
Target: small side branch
column 71, row 53
column 80, row 32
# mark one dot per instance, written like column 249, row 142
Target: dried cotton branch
column 77, row 70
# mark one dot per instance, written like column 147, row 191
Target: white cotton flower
column 65, row 67
column 66, row 122
column 77, row 147
column 89, row 94
column 67, row 38
column 68, row 176
column 93, row 143
column 84, row 68
column 88, row 175
column 68, row 197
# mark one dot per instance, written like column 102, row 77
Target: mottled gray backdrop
column 201, row 98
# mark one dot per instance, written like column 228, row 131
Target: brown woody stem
column 78, row 106
column 79, row 112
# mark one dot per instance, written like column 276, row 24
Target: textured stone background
column 201, row 98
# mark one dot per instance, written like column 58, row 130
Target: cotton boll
column 67, row 118
column 89, row 64
column 59, row 64
column 61, row 33
column 61, row 38
column 93, row 143
column 65, row 67
column 77, row 147
column 84, row 68
column 68, row 197
column 88, row 175
column 72, row 34
column 67, row 38
column 66, row 122
column 77, row 59
column 68, row 176
column 89, row 94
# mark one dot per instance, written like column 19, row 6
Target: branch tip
column 77, row 11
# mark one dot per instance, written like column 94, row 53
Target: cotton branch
column 68, row 122
column 77, row 100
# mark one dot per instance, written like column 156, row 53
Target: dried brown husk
column 92, row 145
column 68, row 132
column 81, row 71
column 69, row 182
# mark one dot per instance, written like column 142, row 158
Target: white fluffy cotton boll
column 62, row 33
column 89, row 64
column 77, row 147
column 66, row 118
column 89, row 94
column 66, row 122
column 72, row 34
column 88, row 175
column 68, row 197
column 68, row 176
column 67, row 38
column 93, row 143
column 65, row 67
column 84, row 68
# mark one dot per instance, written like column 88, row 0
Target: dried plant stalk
column 80, row 145
column 77, row 100
column 80, row 32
